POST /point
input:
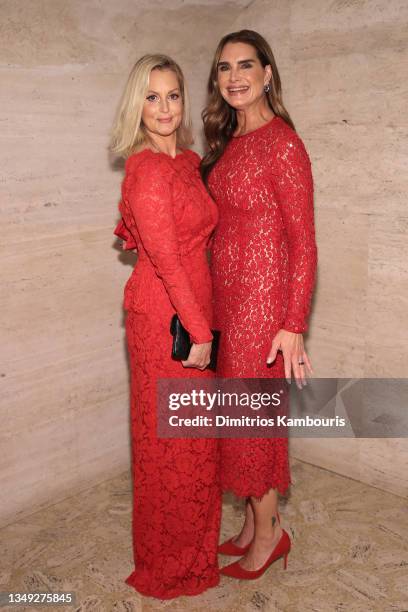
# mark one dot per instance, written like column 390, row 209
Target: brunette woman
column 263, row 265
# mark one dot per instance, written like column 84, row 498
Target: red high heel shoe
column 232, row 550
column 235, row 570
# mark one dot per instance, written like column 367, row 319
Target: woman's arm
column 148, row 195
column 294, row 187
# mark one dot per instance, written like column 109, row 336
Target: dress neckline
column 261, row 127
column 166, row 155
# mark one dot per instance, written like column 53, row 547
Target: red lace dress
column 168, row 216
column 263, row 266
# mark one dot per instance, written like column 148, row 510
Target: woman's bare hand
column 294, row 356
column 199, row 357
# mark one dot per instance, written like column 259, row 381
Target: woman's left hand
column 294, row 356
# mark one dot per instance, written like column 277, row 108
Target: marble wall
column 63, row 65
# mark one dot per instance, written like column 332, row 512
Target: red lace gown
column 168, row 217
column 263, row 267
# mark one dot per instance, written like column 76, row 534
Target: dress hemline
column 258, row 493
column 171, row 593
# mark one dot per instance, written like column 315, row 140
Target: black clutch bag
column 180, row 349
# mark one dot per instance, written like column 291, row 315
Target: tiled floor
column 349, row 552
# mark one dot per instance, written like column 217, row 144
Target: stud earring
column 266, row 88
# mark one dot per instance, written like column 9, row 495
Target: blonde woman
column 168, row 217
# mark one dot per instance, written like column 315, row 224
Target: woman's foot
column 260, row 550
column 280, row 550
column 245, row 537
column 238, row 545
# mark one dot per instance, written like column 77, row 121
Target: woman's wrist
column 201, row 339
column 294, row 328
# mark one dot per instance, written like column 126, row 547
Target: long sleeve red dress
column 168, row 217
column 263, row 267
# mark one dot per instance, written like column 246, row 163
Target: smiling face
column 163, row 106
column 240, row 75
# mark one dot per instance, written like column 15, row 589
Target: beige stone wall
column 64, row 378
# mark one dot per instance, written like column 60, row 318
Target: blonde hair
column 128, row 133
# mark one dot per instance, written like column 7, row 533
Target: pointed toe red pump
column 235, row 570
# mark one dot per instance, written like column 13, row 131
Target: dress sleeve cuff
column 295, row 328
column 201, row 338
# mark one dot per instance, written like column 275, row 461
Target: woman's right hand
column 199, row 357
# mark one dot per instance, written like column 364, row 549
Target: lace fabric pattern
column 263, row 265
column 169, row 217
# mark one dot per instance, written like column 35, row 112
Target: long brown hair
column 219, row 117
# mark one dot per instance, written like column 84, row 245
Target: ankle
column 267, row 535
